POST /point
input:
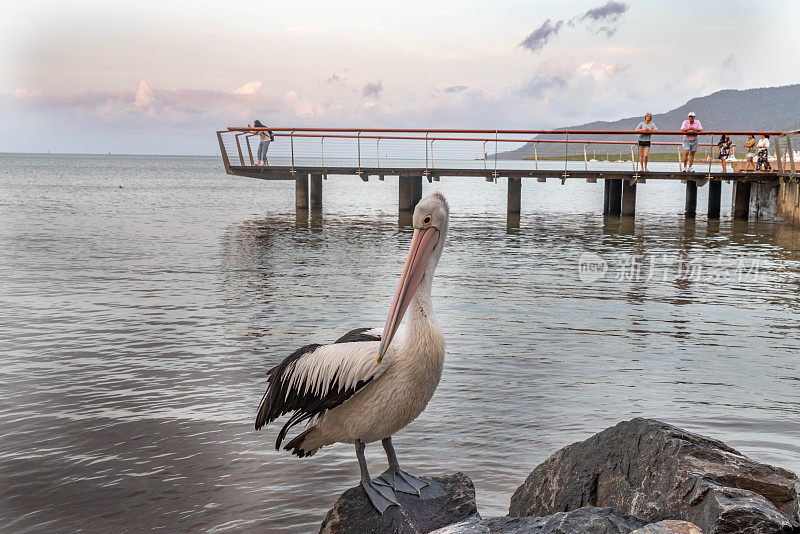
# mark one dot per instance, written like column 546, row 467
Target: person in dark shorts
column 644, row 130
column 750, row 156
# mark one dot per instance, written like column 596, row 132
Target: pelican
column 370, row 383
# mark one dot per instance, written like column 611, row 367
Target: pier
column 308, row 155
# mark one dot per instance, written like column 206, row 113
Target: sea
column 143, row 298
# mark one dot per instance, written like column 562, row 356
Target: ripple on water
column 137, row 325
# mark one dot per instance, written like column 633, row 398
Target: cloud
column 455, row 89
column 538, row 86
column 335, row 78
column 143, row 96
column 250, row 88
column 604, row 19
column 561, row 76
column 372, row 89
column 541, row 35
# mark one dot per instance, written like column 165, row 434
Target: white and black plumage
column 370, row 383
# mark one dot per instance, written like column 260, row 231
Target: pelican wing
column 316, row 378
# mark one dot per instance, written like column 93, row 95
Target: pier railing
column 436, row 149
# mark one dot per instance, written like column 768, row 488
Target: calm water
column 144, row 297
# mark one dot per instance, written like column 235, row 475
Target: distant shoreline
column 107, row 154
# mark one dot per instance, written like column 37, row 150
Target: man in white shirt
column 690, row 129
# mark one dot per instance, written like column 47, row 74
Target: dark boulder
column 448, row 499
column 587, row 520
column 669, row 526
column 658, row 471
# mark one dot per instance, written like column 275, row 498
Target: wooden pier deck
column 350, row 152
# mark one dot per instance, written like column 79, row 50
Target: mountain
column 765, row 108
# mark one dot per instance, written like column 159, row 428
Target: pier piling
column 301, row 191
column 714, row 198
column 514, row 194
column 741, row 200
column 410, row 192
column 316, row 191
column 614, row 196
column 691, row 199
column 628, row 207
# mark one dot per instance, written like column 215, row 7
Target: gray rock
column 669, row 526
column 448, row 499
column 659, row 471
column 587, row 520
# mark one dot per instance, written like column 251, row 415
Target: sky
column 160, row 77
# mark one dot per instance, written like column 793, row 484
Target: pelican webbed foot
column 403, row 482
column 380, row 494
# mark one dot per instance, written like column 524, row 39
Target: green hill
column 765, row 108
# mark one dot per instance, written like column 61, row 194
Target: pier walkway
column 309, row 155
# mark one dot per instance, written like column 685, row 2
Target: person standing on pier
column 750, row 146
column 763, row 154
column 690, row 129
column 725, row 145
column 266, row 138
column 644, row 139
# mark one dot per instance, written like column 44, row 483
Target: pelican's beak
column 422, row 244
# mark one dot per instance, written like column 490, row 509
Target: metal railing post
column 791, row 153
column 566, row 153
column 778, row 153
column 224, row 152
column 633, row 161
column 536, row 155
column 291, row 142
column 495, row 155
column 711, row 154
column 433, row 164
column 585, row 161
column 680, row 160
column 249, row 149
column 426, row 150
column 239, row 148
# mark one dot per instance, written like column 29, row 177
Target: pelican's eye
column 426, row 220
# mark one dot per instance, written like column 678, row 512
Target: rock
column 448, row 499
column 587, row 520
column 659, row 471
column 670, row 526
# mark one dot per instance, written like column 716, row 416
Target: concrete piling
column 714, row 198
column 301, row 191
column 409, row 193
column 316, row 191
column 614, row 196
column 691, row 199
column 628, row 207
column 514, row 194
column 741, row 200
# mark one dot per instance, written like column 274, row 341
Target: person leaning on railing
column 266, row 137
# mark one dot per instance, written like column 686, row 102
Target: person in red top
column 690, row 129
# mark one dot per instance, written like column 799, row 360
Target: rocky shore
column 641, row 476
